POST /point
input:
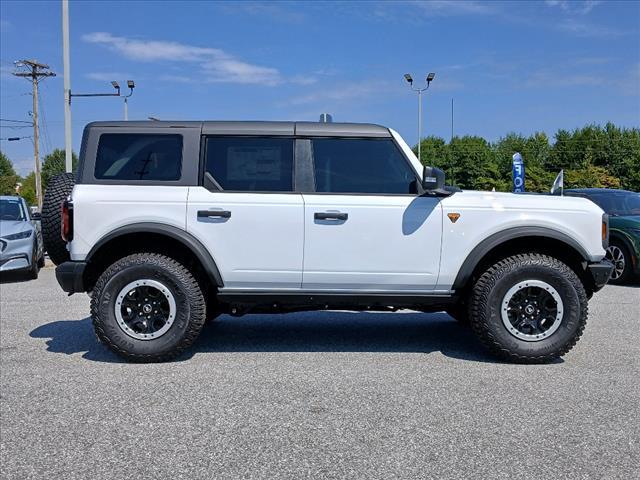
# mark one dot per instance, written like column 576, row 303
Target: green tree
column 54, row 163
column 8, row 177
column 473, row 164
column 28, row 189
column 592, row 156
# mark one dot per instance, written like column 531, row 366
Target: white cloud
column 107, row 76
column 215, row 64
column 454, row 7
column 273, row 10
column 574, row 7
column 338, row 94
column 584, row 29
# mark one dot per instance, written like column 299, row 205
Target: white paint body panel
column 260, row 245
column 387, row 243
column 484, row 213
column 100, row 209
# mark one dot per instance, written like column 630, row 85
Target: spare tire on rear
column 58, row 190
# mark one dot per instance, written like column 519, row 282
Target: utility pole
column 451, row 119
column 35, row 71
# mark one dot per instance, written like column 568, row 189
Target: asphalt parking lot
column 314, row 395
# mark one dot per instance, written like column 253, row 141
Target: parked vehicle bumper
column 70, row 276
column 600, row 272
column 15, row 254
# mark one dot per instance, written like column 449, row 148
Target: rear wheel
column 619, row 256
column 529, row 308
column 58, row 190
column 147, row 308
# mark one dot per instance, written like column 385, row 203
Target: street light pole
column 67, row 88
column 126, row 109
column 409, row 79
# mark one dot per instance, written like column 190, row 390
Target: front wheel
column 34, row 268
column 619, row 256
column 529, row 308
column 147, row 308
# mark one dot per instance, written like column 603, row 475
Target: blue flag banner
column 518, row 173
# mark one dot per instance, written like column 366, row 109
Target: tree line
column 592, row 156
column 52, row 164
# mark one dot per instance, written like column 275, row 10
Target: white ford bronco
column 170, row 224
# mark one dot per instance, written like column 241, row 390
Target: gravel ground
column 313, row 395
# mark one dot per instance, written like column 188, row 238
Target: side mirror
column 433, row 181
column 37, row 216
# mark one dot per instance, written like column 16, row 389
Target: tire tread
column 488, row 280
column 183, row 276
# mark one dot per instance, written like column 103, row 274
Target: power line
column 15, row 121
column 34, row 71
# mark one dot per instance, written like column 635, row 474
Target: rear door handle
column 214, row 213
column 330, row 216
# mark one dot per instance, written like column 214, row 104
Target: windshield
column 617, row 203
column 11, row 210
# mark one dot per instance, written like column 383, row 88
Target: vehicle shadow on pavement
column 14, row 277
column 297, row 332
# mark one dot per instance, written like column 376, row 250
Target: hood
column 9, row 227
column 505, row 201
column 626, row 221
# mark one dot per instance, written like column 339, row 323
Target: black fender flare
column 485, row 246
column 188, row 240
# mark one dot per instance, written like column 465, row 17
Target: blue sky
column 510, row 66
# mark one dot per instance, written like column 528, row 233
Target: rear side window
column 373, row 166
column 251, row 164
column 139, row 157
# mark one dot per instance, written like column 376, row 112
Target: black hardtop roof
column 259, row 127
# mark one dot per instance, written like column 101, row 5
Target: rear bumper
column 600, row 272
column 70, row 276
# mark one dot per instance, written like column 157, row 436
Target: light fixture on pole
column 409, row 80
column 131, row 85
column 113, row 83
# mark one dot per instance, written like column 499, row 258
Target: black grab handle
column 330, row 216
column 214, row 213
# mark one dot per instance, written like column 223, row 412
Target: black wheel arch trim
column 188, row 240
column 483, row 248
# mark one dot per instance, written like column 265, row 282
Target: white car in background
column 21, row 248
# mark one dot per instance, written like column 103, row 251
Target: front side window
column 139, row 157
column 373, row 166
column 250, row 164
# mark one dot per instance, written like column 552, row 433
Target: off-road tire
column 190, row 307
column 58, row 190
column 490, row 289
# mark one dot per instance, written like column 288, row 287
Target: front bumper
column 600, row 272
column 16, row 254
column 70, row 276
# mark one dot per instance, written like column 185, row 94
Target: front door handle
column 214, row 213
column 330, row 216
